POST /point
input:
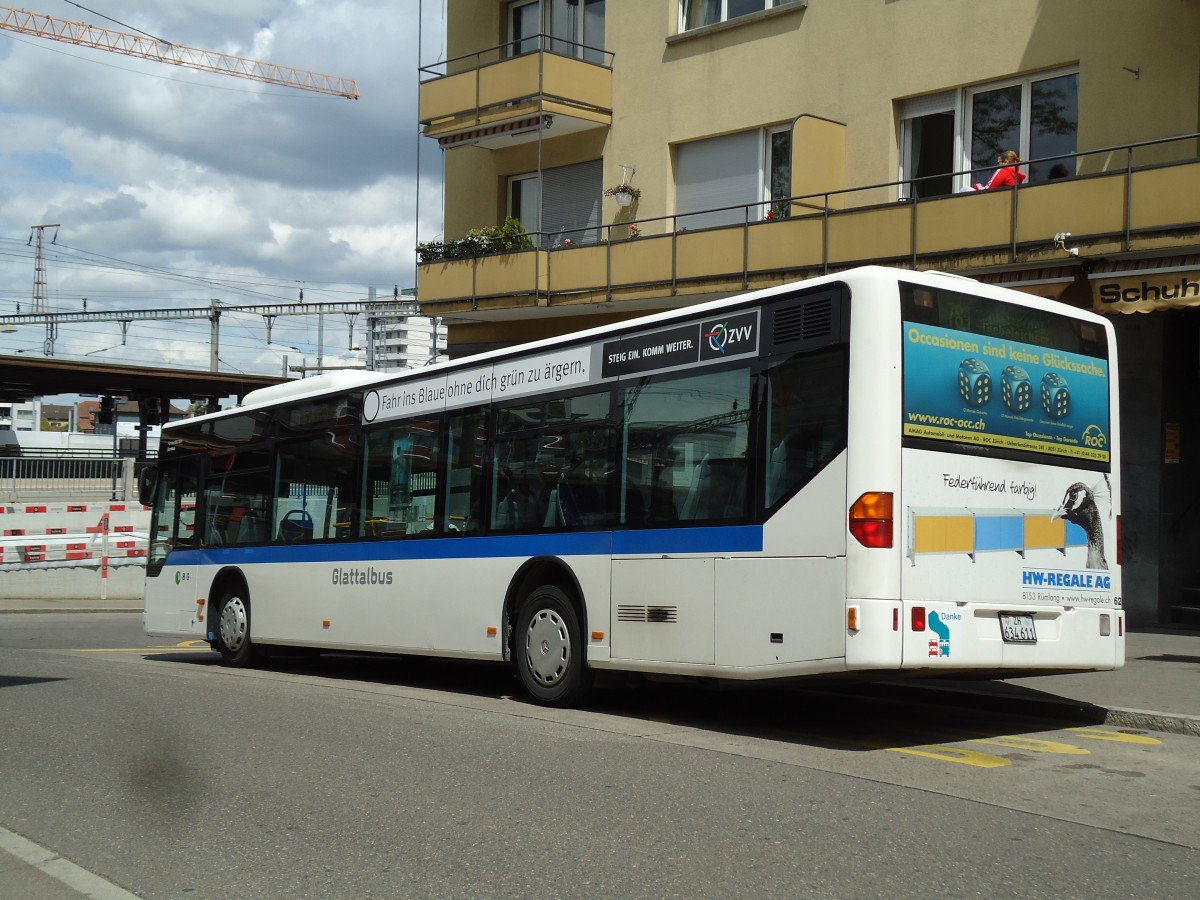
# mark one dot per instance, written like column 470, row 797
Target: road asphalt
column 1158, row 688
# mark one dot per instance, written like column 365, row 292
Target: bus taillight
column 871, row 519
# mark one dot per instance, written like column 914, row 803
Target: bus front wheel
column 550, row 650
column 233, row 629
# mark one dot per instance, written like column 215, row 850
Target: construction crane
column 54, row 29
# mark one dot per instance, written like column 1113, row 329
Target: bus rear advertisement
column 875, row 472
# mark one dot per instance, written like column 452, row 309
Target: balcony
column 1128, row 199
column 495, row 98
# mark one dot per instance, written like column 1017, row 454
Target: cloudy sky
column 172, row 186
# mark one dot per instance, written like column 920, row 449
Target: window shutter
column 723, row 171
column 571, row 197
column 916, row 107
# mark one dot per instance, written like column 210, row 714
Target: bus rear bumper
column 1016, row 638
column 874, row 641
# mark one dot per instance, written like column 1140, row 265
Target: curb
column 1152, row 720
column 1060, row 708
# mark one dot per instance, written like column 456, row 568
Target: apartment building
column 21, row 416
column 771, row 140
column 406, row 342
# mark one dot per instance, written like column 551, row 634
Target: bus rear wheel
column 550, row 649
column 233, row 629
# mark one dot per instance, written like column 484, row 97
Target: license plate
column 1017, row 628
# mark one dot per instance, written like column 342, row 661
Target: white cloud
column 252, row 190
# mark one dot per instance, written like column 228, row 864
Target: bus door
column 172, row 589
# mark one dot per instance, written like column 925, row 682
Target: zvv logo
column 730, row 337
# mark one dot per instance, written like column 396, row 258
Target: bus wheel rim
column 233, row 623
column 548, row 647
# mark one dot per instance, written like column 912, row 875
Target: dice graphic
column 1016, row 390
column 1056, row 396
column 974, row 381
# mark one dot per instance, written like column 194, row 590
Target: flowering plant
column 634, row 231
column 778, row 211
column 623, row 189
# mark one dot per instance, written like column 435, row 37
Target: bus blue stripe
column 729, row 539
column 732, row 539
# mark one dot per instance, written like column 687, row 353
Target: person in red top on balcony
column 1008, row 175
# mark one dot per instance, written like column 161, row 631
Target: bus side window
column 402, row 472
column 806, row 419
column 553, row 464
column 314, row 484
column 465, row 484
column 239, row 485
column 689, row 439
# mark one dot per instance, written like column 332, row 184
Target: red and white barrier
column 55, row 533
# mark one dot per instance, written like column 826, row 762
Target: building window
column 567, row 27
column 698, row 13
column 1036, row 115
column 568, row 209
column 927, row 139
column 720, row 181
column 779, row 170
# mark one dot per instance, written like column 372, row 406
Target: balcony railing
column 1118, row 196
column 493, row 91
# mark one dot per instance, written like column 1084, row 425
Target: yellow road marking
column 1034, row 744
column 1101, row 734
column 138, row 649
column 955, row 755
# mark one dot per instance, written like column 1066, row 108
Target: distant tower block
column 1056, row 396
column 974, row 382
column 1016, row 390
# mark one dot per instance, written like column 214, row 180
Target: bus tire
column 550, row 650
column 233, row 629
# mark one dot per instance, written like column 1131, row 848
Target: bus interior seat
column 554, row 514
column 696, row 490
column 717, row 491
column 580, row 503
column 251, row 529
column 798, row 456
column 727, row 489
column 295, row 531
column 636, row 512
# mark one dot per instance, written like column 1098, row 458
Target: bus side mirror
column 148, row 485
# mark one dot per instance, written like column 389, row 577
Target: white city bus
column 876, row 472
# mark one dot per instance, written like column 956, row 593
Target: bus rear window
column 1001, row 379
